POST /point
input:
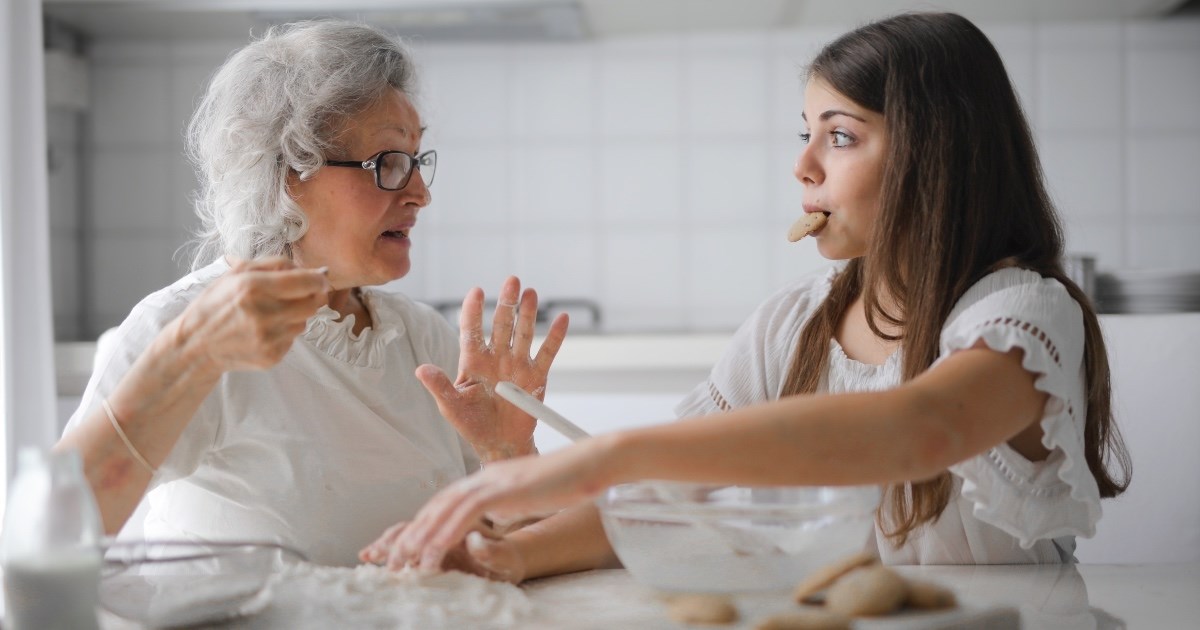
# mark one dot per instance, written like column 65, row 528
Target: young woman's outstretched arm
column 971, row 401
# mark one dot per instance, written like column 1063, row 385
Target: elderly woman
column 270, row 393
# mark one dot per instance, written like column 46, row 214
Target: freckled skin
column 113, row 472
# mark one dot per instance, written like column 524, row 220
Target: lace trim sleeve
column 1032, row 500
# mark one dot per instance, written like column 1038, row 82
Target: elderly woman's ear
column 293, row 228
column 294, row 178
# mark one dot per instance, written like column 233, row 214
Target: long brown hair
column 962, row 195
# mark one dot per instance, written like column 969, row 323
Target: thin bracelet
column 120, row 433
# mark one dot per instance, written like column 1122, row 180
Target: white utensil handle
column 536, row 408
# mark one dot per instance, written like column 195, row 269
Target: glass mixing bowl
column 165, row 584
column 725, row 539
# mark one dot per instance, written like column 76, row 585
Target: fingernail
column 431, row 560
column 477, row 546
column 324, row 270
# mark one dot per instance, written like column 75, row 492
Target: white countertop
column 1054, row 596
column 635, row 363
column 1070, row 596
column 584, row 363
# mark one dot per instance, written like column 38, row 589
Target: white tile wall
column 64, row 183
column 131, row 188
column 723, row 278
column 1164, row 175
column 641, row 88
column 468, row 92
column 1106, row 239
column 127, row 201
column 558, row 262
column 782, row 188
column 1163, row 89
column 1016, row 44
column 654, row 173
column 465, row 259
column 641, row 282
column 640, row 182
column 725, row 86
column 788, row 54
column 553, row 185
column 127, row 265
column 62, row 127
column 554, row 92
column 1165, row 244
column 64, row 180
column 786, row 261
column 186, row 86
column 131, row 103
column 1080, row 89
column 1083, row 173
column 725, row 182
column 473, row 186
column 64, row 275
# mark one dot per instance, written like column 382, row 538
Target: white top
column 1005, row 508
column 323, row 451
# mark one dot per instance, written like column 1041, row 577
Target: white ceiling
column 552, row 19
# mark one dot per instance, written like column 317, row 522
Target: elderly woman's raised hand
column 249, row 317
column 495, row 428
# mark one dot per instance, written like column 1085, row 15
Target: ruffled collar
column 337, row 338
column 837, row 354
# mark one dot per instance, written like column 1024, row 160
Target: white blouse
column 323, row 451
column 1004, row 509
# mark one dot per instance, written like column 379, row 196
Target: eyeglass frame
column 375, row 163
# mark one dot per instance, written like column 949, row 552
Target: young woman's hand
column 483, row 552
column 496, row 429
column 503, row 492
column 249, row 317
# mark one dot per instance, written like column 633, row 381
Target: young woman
column 950, row 359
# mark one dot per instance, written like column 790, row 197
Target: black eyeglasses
column 393, row 169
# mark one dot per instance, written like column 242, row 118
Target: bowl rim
column 679, row 492
column 136, row 552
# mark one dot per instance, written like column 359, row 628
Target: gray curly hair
column 277, row 106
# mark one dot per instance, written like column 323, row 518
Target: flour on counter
column 368, row 596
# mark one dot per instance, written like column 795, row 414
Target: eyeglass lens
column 395, row 169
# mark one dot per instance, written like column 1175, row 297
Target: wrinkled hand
column 249, row 317
column 495, row 428
column 483, row 552
column 504, row 492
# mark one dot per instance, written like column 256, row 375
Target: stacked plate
column 1148, row 291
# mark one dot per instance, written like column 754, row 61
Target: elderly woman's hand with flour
column 249, row 318
column 496, row 429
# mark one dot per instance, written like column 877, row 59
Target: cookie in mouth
column 807, row 224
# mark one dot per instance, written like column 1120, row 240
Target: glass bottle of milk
column 50, row 546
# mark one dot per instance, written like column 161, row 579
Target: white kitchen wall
column 652, row 174
column 64, row 179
